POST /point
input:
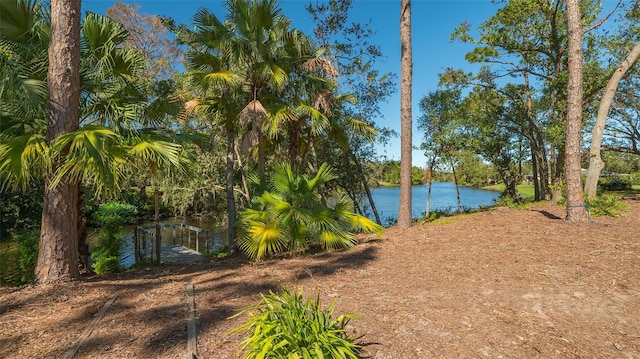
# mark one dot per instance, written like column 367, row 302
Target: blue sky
column 433, row 22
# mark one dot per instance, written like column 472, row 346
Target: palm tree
column 98, row 153
column 237, row 65
column 291, row 216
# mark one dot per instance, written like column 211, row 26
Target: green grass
column 525, row 190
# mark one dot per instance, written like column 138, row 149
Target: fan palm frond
column 22, row 158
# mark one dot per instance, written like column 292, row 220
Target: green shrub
column 287, row 326
column 111, row 217
column 28, row 242
column 291, row 216
column 614, row 184
column 606, row 205
column 106, row 264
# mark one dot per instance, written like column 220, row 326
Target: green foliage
column 20, row 210
column 606, row 205
column 506, row 201
column 614, row 184
column 292, row 215
column 220, row 253
column 111, row 216
column 287, row 326
column 27, row 254
column 106, row 264
column 115, row 214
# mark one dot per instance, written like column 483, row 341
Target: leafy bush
column 506, row 201
column 111, row 216
column 287, row 326
column 614, row 184
column 104, row 264
column 28, row 242
column 606, row 205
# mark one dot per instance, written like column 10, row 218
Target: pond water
column 443, row 198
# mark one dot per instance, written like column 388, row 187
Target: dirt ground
column 504, row 283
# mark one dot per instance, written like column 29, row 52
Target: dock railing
column 180, row 233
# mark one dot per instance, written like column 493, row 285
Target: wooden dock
column 182, row 243
column 179, row 254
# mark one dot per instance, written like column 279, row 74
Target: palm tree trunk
column 58, row 250
column 156, row 200
column 231, row 204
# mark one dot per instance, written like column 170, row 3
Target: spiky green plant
column 606, row 205
column 287, row 326
column 290, row 215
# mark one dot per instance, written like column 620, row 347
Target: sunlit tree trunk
column 575, row 197
column 404, row 212
column 596, row 164
column 58, row 251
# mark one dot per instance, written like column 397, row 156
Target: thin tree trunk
column 428, row 206
column 430, row 182
column 404, row 212
column 576, row 211
column 596, row 164
column 455, row 180
column 246, row 195
column 366, row 186
column 58, row 249
column 231, row 204
column 156, row 201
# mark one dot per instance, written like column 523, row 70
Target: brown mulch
column 504, row 283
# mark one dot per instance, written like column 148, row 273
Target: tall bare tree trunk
column 231, row 204
column 455, row 180
column 58, row 251
column 576, row 210
column 596, row 164
column 156, row 218
column 404, row 212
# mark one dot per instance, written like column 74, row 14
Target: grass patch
column 525, row 190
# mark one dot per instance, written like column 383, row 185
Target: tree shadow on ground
column 222, row 288
column 547, row 214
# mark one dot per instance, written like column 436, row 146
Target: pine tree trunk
column 404, row 212
column 58, row 250
column 576, row 211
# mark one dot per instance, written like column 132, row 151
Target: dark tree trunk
column 231, row 204
column 156, row 219
column 455, row 180
column 58, row 250
column 367, row 190
column 404, row 212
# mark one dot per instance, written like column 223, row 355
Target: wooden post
column 197, row 242
column 136, row 250
column 144, row 242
